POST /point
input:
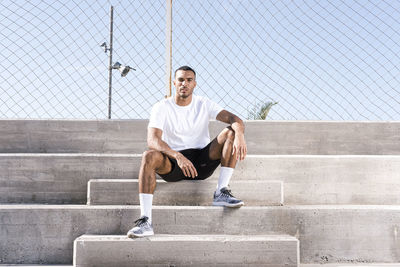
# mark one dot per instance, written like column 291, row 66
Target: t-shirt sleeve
column 157, row 117
column 213, row 109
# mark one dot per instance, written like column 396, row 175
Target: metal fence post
column 168, row 54
column 110, row 61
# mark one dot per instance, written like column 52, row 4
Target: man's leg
column 221, row 148
column 152, row 161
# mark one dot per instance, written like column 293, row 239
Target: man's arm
column 239, row 144
column 155, row 142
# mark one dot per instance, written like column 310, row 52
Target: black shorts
column 200, row 158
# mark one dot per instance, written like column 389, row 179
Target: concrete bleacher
column 184, row 193
column 197, row 250
column 315, row 193
column 62, row 178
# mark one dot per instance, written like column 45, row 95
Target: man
column 180, row 147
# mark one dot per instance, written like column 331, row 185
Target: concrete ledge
column 183, row 193
column 39, row 234
column 333, row 180
column 263, row 137
column 34, row 265
column 73, row 136
column 360, row 264
column 186, row 250
column 301, row 265
column 63, row 178
column 59, row 178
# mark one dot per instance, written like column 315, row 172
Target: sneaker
column 142, row 228
column 226, row 199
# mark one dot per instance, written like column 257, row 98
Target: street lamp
column 123, row 69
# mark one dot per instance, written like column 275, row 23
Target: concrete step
column 186, row 250
column 328, row 234
column 301, row 265
column 263, row 137
column 34, row 265
column 63, row 178
column 352, row 264
column 59, row 178
column 183, row 193
column 73, row 136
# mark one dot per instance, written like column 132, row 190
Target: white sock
column 224, row 178
column 146, row 203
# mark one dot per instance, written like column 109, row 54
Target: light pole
column 123, row 69
column 110, row 61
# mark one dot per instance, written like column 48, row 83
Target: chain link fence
column 318, row 60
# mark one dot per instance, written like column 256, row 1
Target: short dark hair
column 186, row 68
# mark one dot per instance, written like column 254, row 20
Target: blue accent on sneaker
column 226, row 199
column 142, row 228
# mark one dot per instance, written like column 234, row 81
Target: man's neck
column 180, row 101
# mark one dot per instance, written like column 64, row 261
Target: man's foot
column 142, row 228
column 226, row 199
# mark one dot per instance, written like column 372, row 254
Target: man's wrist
column 239, row 134
column 238, row 127
column 176, row 154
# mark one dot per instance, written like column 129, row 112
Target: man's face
column 184, row 82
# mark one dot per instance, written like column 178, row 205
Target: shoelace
column 227, row 192
column 141, row 221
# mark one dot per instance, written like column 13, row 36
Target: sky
column 320, row 60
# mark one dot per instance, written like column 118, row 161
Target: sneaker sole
column 140, row 235
column 225, row 204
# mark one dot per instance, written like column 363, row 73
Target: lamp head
column 104, row 45
column 122, row 68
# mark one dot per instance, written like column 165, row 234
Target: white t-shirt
column 184, row 126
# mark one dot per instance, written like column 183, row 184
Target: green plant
column 260, row 111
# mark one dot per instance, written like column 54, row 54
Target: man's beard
column 185, row 95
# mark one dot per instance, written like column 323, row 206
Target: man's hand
column 186, row 166
column 239, row 147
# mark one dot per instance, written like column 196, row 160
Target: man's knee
column 151, row 157
column 229, row 134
